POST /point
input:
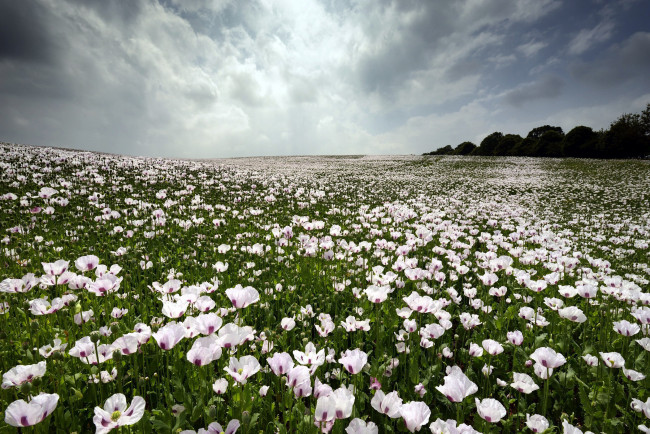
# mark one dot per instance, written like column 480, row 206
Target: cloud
column 588, row 38
column 620, row 63
column 20, row 38
column 413, row 49
column 218, row 78
column 531, row 48
column 549, row 86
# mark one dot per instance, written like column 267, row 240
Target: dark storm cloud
column 629, row 60
column 204, row 78
column 547, row 87
column 407, row 47
column 118, row 12
column 451, row 35
column 24, row 32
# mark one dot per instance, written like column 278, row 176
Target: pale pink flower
column 169, row 335
column 325, row 409
column 613, row 359
column 572, row 313
column 25, row 284
column 457, row 385
column 536, row 423
column 343, row 402
column 358, row 426
column 243, row 368
column 490, row 409
column 587, row 290
column 515, row 337
column 542, row 371
column 204, row 350
column 492, row 347
column 450, row 427
column 548, row 358
column 173, row 309
column 55, row 268
column 388, row 404
column 231, row 335
column 298, row 375
column 523, row 383
column 353, row 360
column 208, row 323
column 321, row 389
column 220, row 386
column 241, row 297
column 288, row 323
column 475, row 350
column 86, row 263
column 20, row 413
column 378, row 294
column 626, row 328
column 280, row 363
column 127, row 344
column 590, row 360
column 311, row 356
column 116, row 414
column 633, row 375
column 415, row 414
column 23, row 374
column 204, row 303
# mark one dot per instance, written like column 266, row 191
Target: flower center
column 116, row 415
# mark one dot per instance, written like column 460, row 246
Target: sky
column 236, row 78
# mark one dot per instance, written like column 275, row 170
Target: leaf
column 77, row 395
column 281, row 429
column 254, row 420
column 160, row 426
column 179, row 395
column 197, row 411
column 639, row 359
column 603, row 396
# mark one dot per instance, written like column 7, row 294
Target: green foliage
column 489, row 144
column 627, row 137
column 581, row 142
column 464, row 148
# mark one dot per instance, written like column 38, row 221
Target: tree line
column 627, row 137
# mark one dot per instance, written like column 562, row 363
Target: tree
column 489, row 144
column 550, row 144
column 626, row 138
column 508, row 144
column 536, row 133
column 464, row 148
column 581, row 142
column 445, row 150
column 525, row 148
column 645, row 121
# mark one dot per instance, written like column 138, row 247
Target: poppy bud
column 26, row 388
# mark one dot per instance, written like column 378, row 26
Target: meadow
column 323, row 294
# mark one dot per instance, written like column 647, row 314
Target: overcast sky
column 227, row 78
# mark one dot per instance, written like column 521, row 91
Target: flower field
column 323, row 294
